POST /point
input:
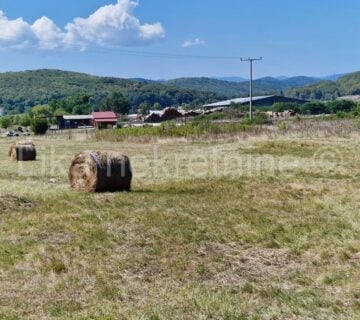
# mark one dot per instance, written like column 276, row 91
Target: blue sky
column 304, row 37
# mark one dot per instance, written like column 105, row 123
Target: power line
column 148, row 54
column 251, row 60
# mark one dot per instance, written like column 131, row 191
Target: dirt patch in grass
column 262, row 262
column 13, row 203
column 237, row 266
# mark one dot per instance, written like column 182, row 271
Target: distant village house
column 96, row 119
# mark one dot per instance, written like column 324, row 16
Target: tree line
column 319, row 107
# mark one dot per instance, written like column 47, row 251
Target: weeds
column 205, row 130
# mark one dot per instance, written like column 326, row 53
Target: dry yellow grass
column 259, row 228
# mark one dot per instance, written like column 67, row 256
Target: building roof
column 106, row 120
column 78, row 117
column 158, row 112
column 106, row 116
column 237, row 100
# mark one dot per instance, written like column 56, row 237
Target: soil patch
column 13, row 203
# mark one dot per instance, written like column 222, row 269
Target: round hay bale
column 92, row 171
column 22, row 151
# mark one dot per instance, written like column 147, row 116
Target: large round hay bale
column 100, row 171
column 22, row 151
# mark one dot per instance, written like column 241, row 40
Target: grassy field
column 263, row 226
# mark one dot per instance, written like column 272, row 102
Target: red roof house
column 106, row 118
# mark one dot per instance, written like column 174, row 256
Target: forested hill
column 262, row 86
column 21, row 90
column 329, row 90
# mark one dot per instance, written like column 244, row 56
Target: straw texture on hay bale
column 100, row 171
column 22, row 151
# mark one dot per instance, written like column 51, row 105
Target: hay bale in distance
column 100, row 171
column 22, row 151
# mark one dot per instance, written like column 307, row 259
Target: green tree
column 59, row 112
column 16, row 120
column 341, row 106
column 76, row 104
column 42, row 111
column 6, row 122
column 314, row 108
column 144, row 108
column 39, row 126
column 283, row 106
column 25, row 120
column 157, row 106
column 81, row 109
column 79, row 104
column 117, row 103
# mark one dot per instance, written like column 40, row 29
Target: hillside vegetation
column 22, row 90
column 328, row 90
column 262, row 86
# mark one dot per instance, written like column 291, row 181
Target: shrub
column 356, row 111
column 6, row 122
column 259, row 119
column 25, row 121
column 341, row 106
column 341, row 114
column 40, row 126
column 283, row 106
column 315, row 108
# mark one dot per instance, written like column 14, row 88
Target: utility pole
column 251, row 60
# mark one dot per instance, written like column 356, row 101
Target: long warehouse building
column 261, row 101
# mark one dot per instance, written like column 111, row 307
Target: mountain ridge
column 345, row 85
column 266, row 85
column 20, row 91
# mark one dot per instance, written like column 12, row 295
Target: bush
column 40, row 126
column 341, row 106
column 356, row 111
column 341, row 114
column 259, row 119
column 284, row 106
column 25, row 121
column 315, row 108
column 6, row 122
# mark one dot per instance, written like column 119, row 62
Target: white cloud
column 49, row 36
column 111, row 25
column 193, row 42
column 14, row 33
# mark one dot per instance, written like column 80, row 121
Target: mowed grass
column 249, row 229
